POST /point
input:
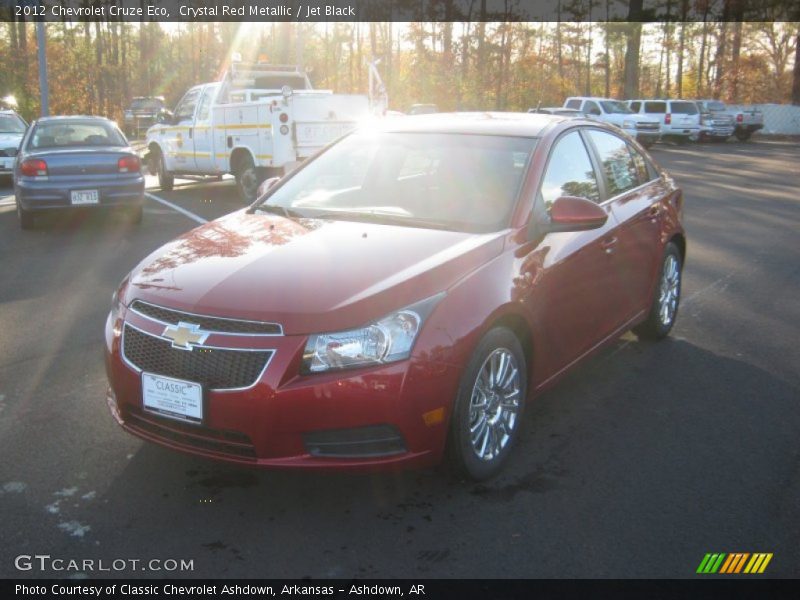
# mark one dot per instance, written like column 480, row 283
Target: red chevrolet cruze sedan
column 400, row 297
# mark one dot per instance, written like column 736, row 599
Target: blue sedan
column 76, row 163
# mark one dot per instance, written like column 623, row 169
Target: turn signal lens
column 33, row 167
column 129, row 164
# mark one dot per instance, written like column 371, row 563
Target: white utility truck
column 257, row 122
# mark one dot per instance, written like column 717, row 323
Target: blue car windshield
column 72, row 133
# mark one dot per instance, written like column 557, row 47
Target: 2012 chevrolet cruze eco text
column 400, row 297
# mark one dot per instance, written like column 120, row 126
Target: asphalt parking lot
column 645, row 459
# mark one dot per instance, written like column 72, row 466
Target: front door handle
column 608, row 245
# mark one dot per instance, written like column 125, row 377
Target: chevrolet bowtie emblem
column 185, row 335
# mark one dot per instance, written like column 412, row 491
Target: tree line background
column 96, row 68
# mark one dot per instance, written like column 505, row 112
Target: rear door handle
column 608, row 245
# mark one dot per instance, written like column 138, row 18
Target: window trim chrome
column 211, row 331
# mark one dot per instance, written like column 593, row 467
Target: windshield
column 71, row 133
column 615, row 107
column 445, row 181
column 146, row 104
column 11, row 124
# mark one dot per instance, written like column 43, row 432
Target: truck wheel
column 248, row 178
column 648, row 144
column 166, row 180
column 743, row 136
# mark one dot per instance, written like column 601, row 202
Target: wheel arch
column 680, row 241
column 521, row 328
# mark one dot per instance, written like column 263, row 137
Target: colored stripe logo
column 734, row 563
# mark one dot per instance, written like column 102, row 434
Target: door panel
column 202, row 135
column 575, row 302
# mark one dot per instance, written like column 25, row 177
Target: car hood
column 309, row 275
column 10, row 140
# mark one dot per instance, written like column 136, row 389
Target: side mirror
column 265, row 186
column 164, row 116
column 571, row 213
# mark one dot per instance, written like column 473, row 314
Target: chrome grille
column 209, row 323
column 215, row 368
column 647, row 126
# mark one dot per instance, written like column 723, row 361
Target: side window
column 618, row 166
column 569, row 171
column 591, row 108
column 658, row 108
column 574, row 103
column 635, row 106
column 640, row 162
column 185, row 108
column 205, row 105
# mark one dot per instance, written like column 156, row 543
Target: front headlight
column 628, row 124
column 387, row 340
column 117, row 308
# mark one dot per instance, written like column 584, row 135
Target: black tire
column 166, row 180
column 248, row 178
column 135, row 215
column 743, row 136
column 463, row 451
column 26, row 217
column 660, row 319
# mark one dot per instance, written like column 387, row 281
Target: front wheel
column 487, row 411
column 166, row 180
column 743, row 136
column 664, row 309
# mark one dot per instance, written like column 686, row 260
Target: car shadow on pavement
column 646, row 442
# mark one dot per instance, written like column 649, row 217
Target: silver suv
column 12, row 128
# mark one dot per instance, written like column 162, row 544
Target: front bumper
column 647, row 136
column 56, row 193
column 389, row 416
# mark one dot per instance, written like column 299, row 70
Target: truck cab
column 646, row 130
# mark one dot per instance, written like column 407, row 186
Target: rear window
column 65, row 134
column 146, row 104
column 684, row 108
column 11, row 124
column 655, row 107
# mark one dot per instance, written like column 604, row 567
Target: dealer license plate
column 85, row 197
column 174, row 398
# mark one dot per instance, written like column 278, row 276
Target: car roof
column 477, row 123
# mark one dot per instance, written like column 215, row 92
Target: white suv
column 646, row 130
column 680, row 119
column 12, row 128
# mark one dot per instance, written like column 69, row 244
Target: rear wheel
column 488, row 408
column 26, row 217
column 166, row 180
column 743, row 136
column 664, row 309
column 248, row 178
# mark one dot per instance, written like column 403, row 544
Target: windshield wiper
column 383, row 218
column 278, row 210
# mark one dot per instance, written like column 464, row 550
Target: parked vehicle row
column 650, row 120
